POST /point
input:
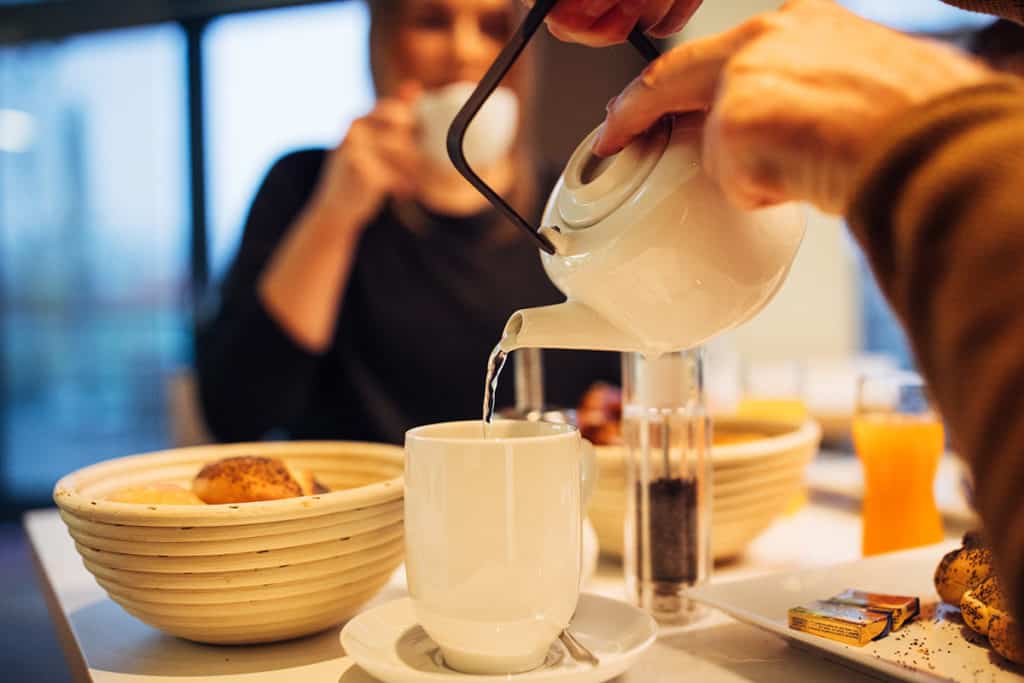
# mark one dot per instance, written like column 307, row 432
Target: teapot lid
column 594, row 187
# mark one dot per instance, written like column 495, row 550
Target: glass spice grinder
column 667, row 432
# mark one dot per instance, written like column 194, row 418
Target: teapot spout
column 565, row 326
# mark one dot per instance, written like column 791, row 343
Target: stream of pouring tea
column 494, row 365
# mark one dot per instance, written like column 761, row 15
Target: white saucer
column 387, row 643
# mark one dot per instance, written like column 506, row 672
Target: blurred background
column 132, row 138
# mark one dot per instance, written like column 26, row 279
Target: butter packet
column 902, row 607
column 843, row 623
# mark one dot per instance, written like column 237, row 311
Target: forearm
column 306, row 277
column 940, row 212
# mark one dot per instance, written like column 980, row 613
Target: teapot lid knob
column 594, row 187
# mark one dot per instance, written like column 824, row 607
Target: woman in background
column 371, row 282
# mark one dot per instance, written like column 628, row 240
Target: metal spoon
column 577, row 650
column 530, row 406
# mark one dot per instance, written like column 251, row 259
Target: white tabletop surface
column 106, row 645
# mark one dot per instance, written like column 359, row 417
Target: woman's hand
column 378, row 157
column 605, row 22
column 793, row 99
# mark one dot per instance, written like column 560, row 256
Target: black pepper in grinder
column 668, row 487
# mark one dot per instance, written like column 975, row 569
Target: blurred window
column 93, row 249
column 95, row 220
column 919, row 16
column 276, row 81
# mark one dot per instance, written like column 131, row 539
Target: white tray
column 764, row 602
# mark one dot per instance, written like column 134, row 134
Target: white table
column 106, row 645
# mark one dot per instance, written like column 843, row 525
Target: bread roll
column 155, row 494
column 245, row 479
column 962, row 570
column 303, row 477
column 1006, row 638
column 979, row 605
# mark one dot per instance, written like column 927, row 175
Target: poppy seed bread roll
column 980, row 605
column 245, row 479
column 1006, row 638
column 962, row 570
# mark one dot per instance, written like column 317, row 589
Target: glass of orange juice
column 899, row 439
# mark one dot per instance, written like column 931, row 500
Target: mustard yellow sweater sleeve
column 939, row 209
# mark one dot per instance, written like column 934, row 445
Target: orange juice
column 900, row 455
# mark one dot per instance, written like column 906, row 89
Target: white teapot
column 649, row 252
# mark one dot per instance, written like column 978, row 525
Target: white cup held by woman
column 489, row 137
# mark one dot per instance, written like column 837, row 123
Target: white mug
column 492, row 537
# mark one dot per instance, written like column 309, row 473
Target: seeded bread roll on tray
column 963, row 569
column 1007, row 638
column 979, row 606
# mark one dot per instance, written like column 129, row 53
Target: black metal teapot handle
column 488, row 84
